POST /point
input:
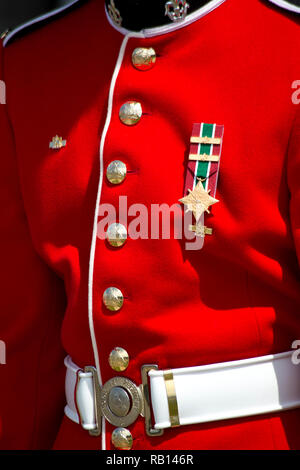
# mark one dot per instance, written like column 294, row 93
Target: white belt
column 189, row 395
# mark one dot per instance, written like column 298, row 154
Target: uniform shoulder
column 289, row 5
column 282, row 19
column 63, row 7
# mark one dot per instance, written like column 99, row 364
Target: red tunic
column 236, row 298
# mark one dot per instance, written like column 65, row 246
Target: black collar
column 135, row 15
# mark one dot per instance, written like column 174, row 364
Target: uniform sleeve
column 294, row 181
column 32, row 302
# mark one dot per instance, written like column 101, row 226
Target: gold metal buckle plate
column 139, row 398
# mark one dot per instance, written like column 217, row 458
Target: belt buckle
column 139, row 398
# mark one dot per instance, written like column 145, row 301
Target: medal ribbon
column 204, row 157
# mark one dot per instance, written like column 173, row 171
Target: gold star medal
column 198, row 200
column 202, row 173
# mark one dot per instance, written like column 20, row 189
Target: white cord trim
column 35, row 20
column 103, row 434
column 94, row 236
column 151, row 32
column 286, row 5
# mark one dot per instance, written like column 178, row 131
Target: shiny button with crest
column 116, row 235
column 122, row 439
column 143, row 58
column 116, row 172
column 118, row 359
column 113, row 299
column 130, row 113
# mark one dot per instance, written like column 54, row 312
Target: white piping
column 35, row 20
column 286, row 5
column 146, row 32
column 150, row 32
column 103, row 434
column 94, row 235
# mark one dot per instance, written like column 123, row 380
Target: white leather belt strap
column 202, row 394
column 228, row 390
column 80, row 406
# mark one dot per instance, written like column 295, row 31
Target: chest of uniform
column 197, row 77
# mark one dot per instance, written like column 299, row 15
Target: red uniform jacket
column 236, row 298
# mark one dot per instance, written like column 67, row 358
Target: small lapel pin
column 57, row 143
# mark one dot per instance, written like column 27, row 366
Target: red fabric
column 32, row 306
column 236, row 298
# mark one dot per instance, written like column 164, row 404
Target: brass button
column 143, row 58
column 119, row 401
column 118, row 359
column 122, row 439
column 113, row 299
column 116, row 234
column 116, row 172
column 130, row 113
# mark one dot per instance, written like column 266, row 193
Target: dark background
column 14, row 12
